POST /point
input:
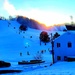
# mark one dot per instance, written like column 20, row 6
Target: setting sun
column 48, row 18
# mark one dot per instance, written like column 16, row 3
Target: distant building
column 64, row 46
column 70, row 26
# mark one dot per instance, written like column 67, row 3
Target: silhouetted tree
column 56, row 35
column 44, row 37
column 23, row 27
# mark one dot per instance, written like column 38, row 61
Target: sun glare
column 49, row 19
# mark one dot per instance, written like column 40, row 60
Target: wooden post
column 53, row 51
column 51, row 37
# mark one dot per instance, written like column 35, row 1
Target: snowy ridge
column 36, row 25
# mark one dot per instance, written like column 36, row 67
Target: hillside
column 37, row 25
column 16, row 45
column 14, row 42
column 9, row 43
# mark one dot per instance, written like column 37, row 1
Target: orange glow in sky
column 50, row 19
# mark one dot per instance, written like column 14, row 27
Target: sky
column 48, row 12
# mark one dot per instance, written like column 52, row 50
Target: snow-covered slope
column 13, row 43
column 9, row 41
column 17, row 46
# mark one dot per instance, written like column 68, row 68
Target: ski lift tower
column 52, row 43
